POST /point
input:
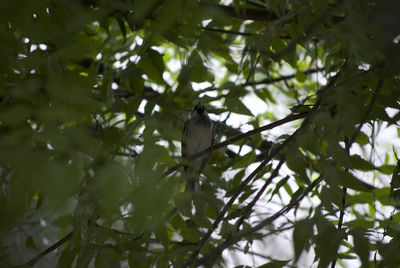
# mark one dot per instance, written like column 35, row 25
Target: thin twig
column 248, row 208
column 248, row 14
column 368, row 112
column 236, row 194
column 280, row 147
column 227, row 31
column 289, row 118
column 348, row 144
column 49, row 249
column 267, row 80
column 344, row 194
column 302, row 38
column 210, row 258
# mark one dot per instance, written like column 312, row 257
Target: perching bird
column 198, row 135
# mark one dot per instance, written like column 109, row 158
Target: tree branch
column 266, row 81
column 348, row 144
column 49, row 249
column 368, row 111
column 258, row 14
column 248, row 208
column 236, row 195
column 289, row 118
column 255, row 172
column 210, row 258
column 306, row 35
column 226, row 31
column 247, row 14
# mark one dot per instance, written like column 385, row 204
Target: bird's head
column 199, row 108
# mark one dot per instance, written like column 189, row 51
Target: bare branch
column 251, row 176
column 236, row 195
column 49, row 249
column 368, row 111
column 210, row 258
column 289, row 118
column 267, row 81
column 348, row 144
column 258, row 196
column 227, row 31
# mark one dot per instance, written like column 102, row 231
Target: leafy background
column 93, row 97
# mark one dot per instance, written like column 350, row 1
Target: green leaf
column 112, row 185
column 132, row 107
column 190, row 232
column 387, row 169
column 162, row 235
column 359, row 223
column 300, row 76
column 195, row 71
column 279, row 185
column 327, row 241
column 177, row 222
column 331, row 195
column 67, row 258
column 30, row 243
column 348, row 180
column 296, row 162
column 361, row 245
column 302, row 233
column 244, row 161
column 183, row 202
column 390, row 253
column 246, row 193
column 395, row 182
column 152, row 64
column 362, row 138
column 64, row 221
column 236, row 106
column 296, row 194
column 352, row 162
column 274, row 264
column 227, row 229
column 360, row 164
column 107, row 257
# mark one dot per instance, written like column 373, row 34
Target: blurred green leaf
column 183, row 202
column 93, row 96
column 30, row 243
column 387, row 169
column 236, row 106
column 274, row 264
column 348, row 180
column 361, row 245
column 302, row 233
column 152, row 64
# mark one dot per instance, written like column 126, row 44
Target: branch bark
column 348, row 144
column 289, row 118
column 248, row 208
column 192, row 258
column 56, row 245
column 211, row 257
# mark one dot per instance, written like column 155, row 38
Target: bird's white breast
column 198, row 139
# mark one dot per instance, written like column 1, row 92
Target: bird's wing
column 184, row 138
column 207, row 157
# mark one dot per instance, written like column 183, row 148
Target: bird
column 198, row 135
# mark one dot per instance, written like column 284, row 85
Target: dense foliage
column 93, row 98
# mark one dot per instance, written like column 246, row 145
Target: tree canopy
column 305, row 99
